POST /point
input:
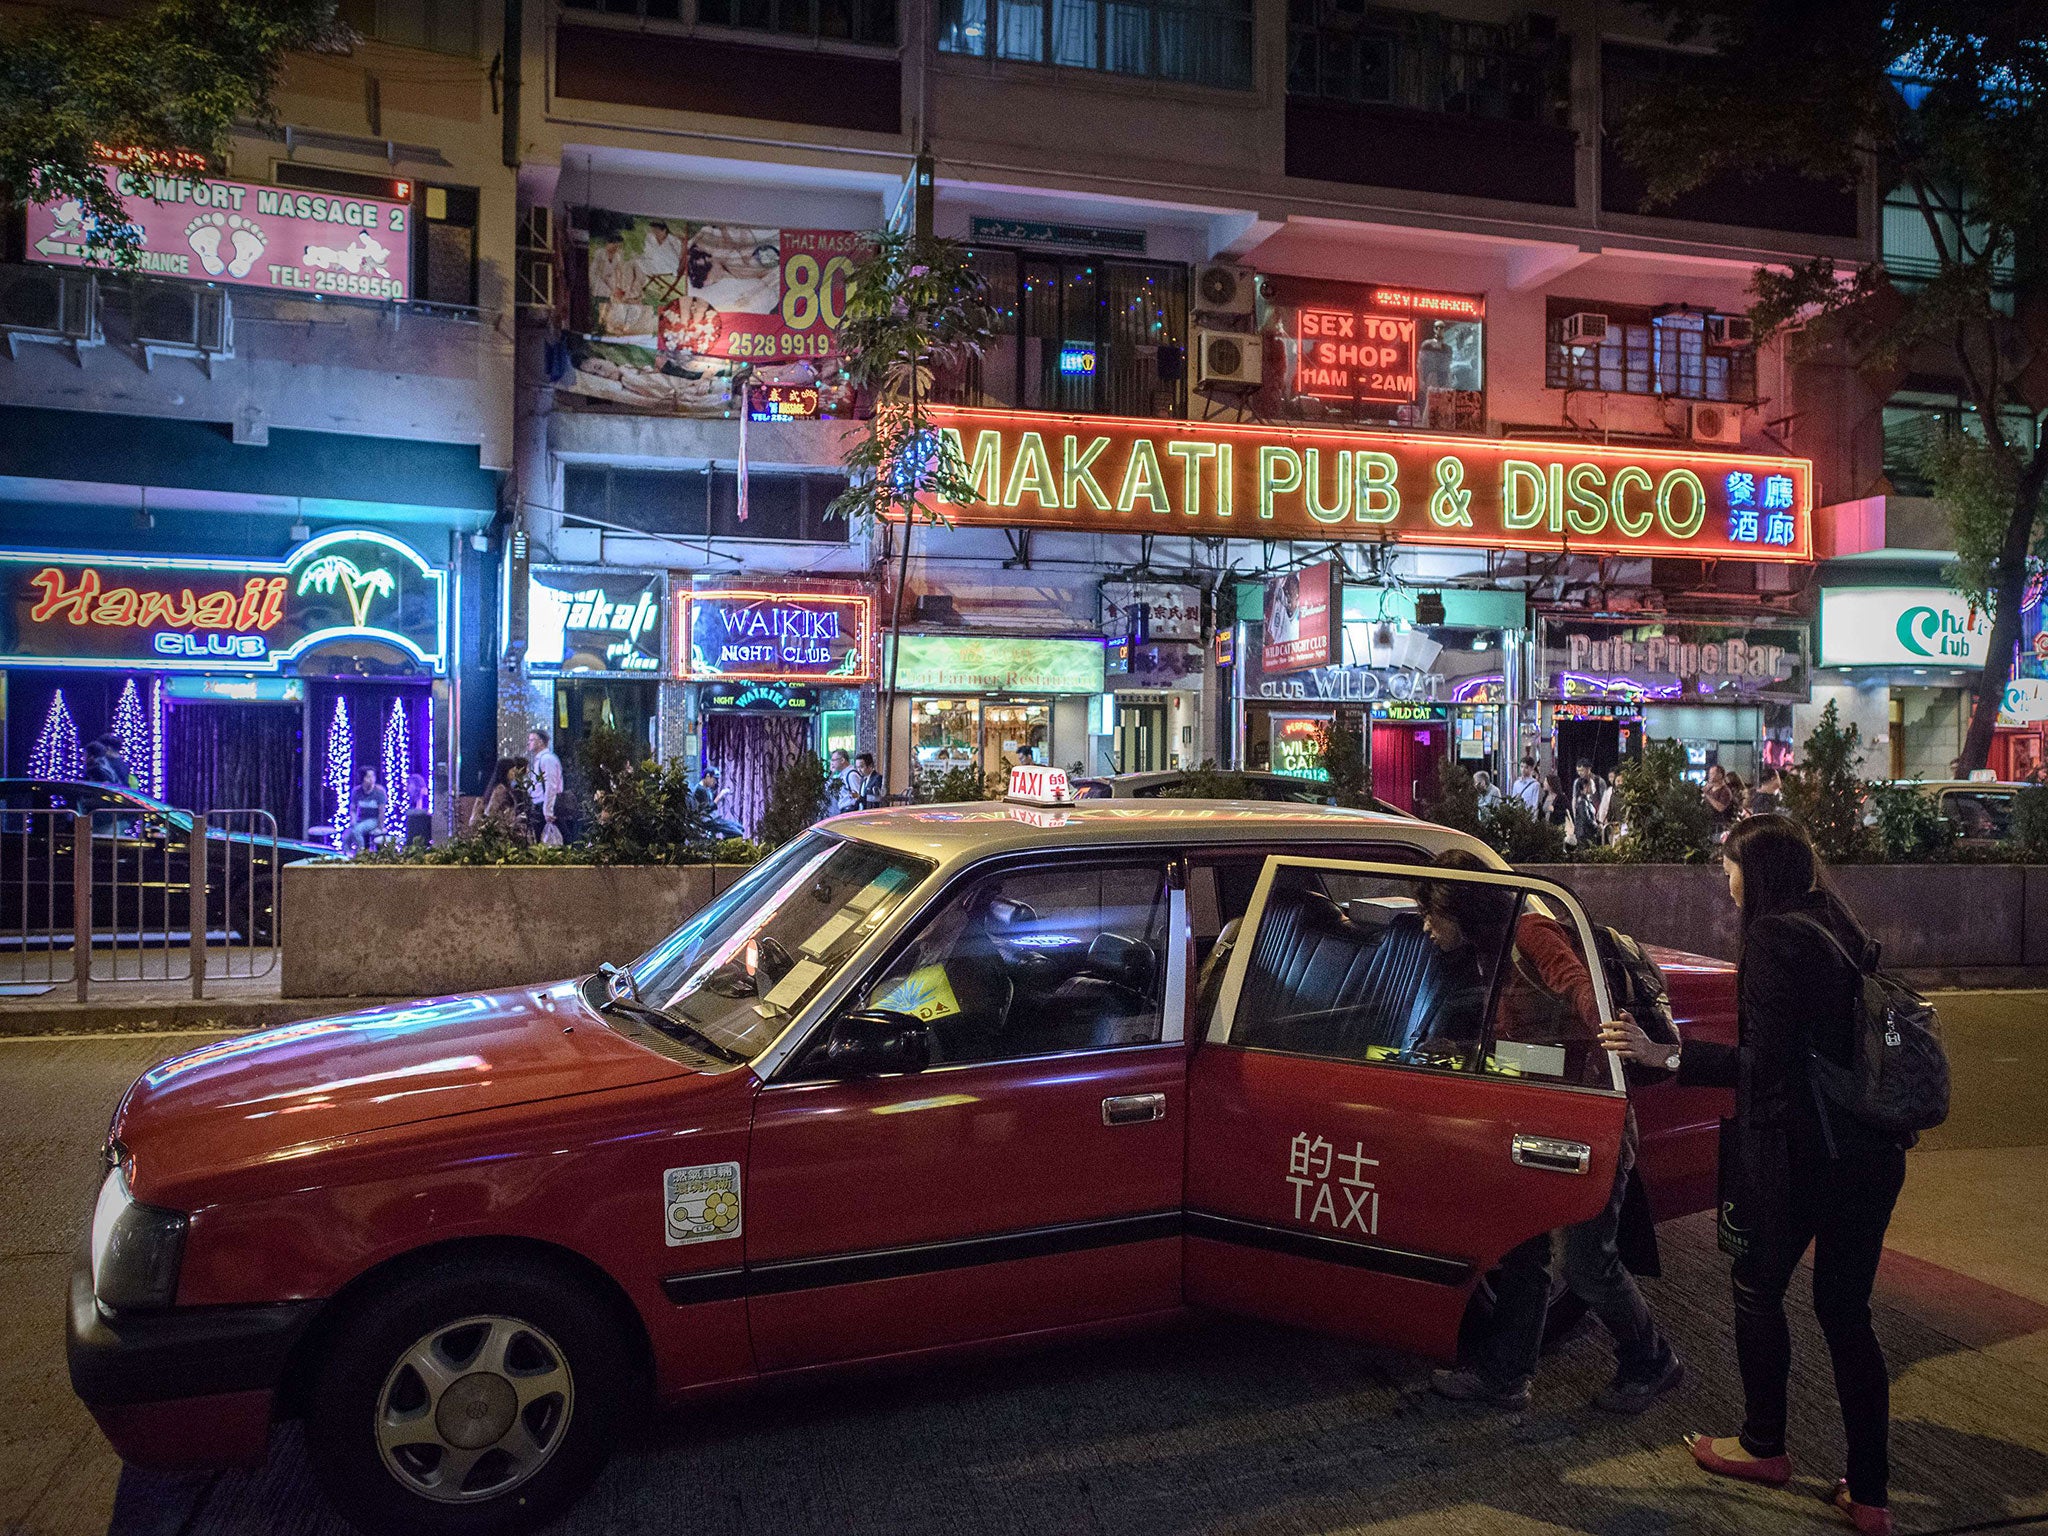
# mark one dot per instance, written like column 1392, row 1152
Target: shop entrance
column 1405, row 761
column 749, row 747
column 1606, row 742
column 1141, row 734
column 585, row 705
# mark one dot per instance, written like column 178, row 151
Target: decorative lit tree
column 914, row 306
column 58, row 753
column 340, row 775
column 131, row 729
column 397, row 768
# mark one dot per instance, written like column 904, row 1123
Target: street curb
column 228, row 1015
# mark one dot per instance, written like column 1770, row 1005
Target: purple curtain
column 221, row 757
column 748, row 750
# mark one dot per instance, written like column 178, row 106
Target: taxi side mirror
column 872, row 1041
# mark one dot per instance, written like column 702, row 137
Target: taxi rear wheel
column 472, row 1397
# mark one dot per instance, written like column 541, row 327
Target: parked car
column 924, row 1078
column 141, row 865
column 1285, row 788
column 1980, row 810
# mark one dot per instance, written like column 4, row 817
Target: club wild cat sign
column 1107, row 474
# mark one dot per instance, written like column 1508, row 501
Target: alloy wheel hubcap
column 474, row 1409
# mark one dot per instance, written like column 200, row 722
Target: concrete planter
column 1929, row 917
column 367, row 930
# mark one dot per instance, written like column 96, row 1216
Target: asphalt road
column 1215, row 1427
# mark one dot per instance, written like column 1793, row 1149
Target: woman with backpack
column 1811, row 1172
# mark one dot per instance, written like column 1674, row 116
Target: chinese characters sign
column 1303, row 619
column 1666, row 659
column 221, row 615
column 235, row 232
column 1324, row 1178
column 594, row 621
column 770, row 635
column 1105, row 474
column 669, row 314
column 1171, row 611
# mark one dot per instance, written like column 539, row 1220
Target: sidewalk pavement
column 233, row 1005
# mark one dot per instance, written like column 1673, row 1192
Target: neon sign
column 772, row 635
column 185, row 614
column 594, row 621
column 1095, row 474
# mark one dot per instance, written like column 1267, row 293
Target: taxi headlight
column 136, row 1248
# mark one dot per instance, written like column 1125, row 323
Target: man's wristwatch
column 1671, row 1061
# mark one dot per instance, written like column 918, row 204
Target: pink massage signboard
column 236, row 232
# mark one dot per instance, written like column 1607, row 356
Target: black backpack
column 1635, row 983
column 1897, row 1081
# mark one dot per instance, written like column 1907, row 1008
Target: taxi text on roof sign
column 1103, row 474
column 1035, row 785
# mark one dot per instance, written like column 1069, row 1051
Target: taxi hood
column 254, row 1097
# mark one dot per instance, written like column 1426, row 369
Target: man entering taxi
column 1547, row 1001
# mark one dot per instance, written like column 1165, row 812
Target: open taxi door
column 1401, row 1081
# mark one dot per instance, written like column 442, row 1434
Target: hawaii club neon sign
column 183, row 614
column 1104, row 474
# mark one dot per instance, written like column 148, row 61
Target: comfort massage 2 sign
column 1103, row 474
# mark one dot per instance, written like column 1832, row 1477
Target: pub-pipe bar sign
column 1098, row 474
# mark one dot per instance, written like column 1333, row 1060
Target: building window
column 440, row 26
column 1192, row 42
column 1676, row 352
column 842, row 21
column 781, row 507
column 1914, row 425
column 1344, row 50
column 1911, row 256
column 1081, row 333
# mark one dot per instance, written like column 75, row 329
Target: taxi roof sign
column 1031, row 784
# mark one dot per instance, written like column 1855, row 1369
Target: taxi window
column 1414, row 971
column 1978, row 815
column 1035, row 961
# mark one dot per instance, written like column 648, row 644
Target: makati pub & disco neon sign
column 1097, row 474
column 187, row 614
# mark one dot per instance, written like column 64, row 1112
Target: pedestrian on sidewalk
column 1803, row 1176
column 1547, row 998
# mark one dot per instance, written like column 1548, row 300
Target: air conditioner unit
column 45, row 304
column 1731, row 331
column 1716, row 424
column 177, row 317
column 1227, row 360
column 1221, row 289
column 537, row 228
column 1582, row 328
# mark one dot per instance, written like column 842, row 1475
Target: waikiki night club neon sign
column 188, row 614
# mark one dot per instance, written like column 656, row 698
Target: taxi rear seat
column 1367, row 986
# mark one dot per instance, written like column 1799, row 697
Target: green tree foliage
column 1948, row 99
column 158, row 85
column 1825, row 792
column 951, row 786
column 1341, row 747
column 1907, row 824
column 1209, row 782
column 795, row 801
column 1666, row 818
column 1519, row 836
column 2030, row 823
column 1457, row 800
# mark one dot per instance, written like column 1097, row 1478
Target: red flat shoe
column 1775, row 1471
column 1869, row 1519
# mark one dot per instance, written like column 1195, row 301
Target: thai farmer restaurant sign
column 773, row 635
column 179, row 614
column 236, row 232
column 1102, row 475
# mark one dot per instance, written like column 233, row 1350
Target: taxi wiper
column 669, row 1024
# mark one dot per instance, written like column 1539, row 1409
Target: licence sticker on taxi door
column 701, row 1204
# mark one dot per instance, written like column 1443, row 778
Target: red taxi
column 925, row 1079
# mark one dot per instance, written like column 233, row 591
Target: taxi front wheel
column 469, row 1398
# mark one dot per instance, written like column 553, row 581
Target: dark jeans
column 1840, row 1207
column 1594, row 1272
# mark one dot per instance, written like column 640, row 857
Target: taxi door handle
column 1133, row 1108
column 1555, row 1156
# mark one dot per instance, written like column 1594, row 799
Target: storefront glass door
column 1012, row 729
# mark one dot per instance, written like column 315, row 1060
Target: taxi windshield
column 742, row 968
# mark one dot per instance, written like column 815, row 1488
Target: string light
column 397, row 768
column 132, row 731
column 156, row 737
column 341, row 752
column 59, row 753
